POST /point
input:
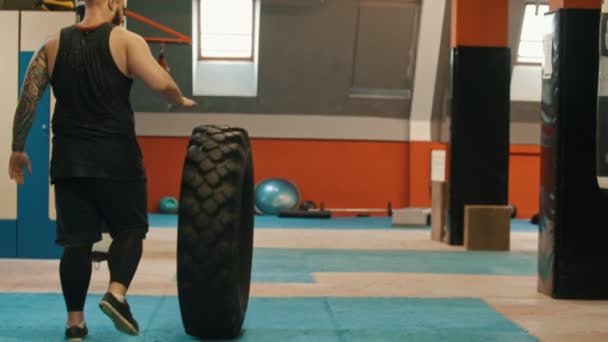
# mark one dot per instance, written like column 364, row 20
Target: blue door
column 8, row 238
column 35, row 231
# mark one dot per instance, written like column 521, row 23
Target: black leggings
column 75, row 273
column 75, row 267
column 124, row 256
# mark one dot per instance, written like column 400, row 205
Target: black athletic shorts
column 88, row 206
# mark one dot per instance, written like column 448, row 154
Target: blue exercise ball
column 274, row 194
column 168, row 205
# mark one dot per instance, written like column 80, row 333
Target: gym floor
column 328, row 280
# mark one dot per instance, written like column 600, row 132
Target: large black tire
column 215, row 232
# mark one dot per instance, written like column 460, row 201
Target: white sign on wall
column 548, row 56
column 438, row 160
column 548, row 46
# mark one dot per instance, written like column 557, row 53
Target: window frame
column 202, row 58
column 518, row 60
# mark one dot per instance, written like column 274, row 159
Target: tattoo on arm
column 34, row 85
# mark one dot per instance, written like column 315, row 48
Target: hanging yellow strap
column 62, row 3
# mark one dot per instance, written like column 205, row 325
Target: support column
column 480, row 98
column 574, row 211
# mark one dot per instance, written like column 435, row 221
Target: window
column 226, row 29
column 385, row 48
column 532, row 35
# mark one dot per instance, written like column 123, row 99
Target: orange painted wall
column 164, row 161
column 524, row 179
column 344, row 173
column 351, row 174
column 420, row 172
column 580, row 4
column 341, row 173
column 524, row 176
column 480, row 23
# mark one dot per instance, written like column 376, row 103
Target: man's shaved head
column 99, row 2
column 114, row 9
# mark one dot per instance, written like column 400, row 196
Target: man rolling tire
column 96, row 164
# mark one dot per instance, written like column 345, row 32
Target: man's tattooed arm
column 34, row 85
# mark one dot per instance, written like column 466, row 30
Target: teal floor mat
column 523, row 226
column 40, row 317
column 296, row 266
column 162, row 220
column 379, row 223
column 170, row 221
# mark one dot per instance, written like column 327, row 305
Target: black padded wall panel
column 574, row 212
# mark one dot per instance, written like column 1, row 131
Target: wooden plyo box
column 439, row 203
column 487, row 228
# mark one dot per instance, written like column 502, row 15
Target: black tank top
column 93, row 123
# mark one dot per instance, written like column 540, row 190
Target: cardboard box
column 487, row 228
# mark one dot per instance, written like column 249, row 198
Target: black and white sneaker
column 76, row 333
column 120, row 314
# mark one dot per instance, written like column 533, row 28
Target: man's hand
column 187, row 103
column 19, row 161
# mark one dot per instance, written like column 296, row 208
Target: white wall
column 234, row 79
column 9, row 75
column 294, row 126
column 35, row 27
column 526, row 83
column 427, row 63
column 224, row 78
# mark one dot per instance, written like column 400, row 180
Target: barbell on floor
column 322, row 212
column 388, row 210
